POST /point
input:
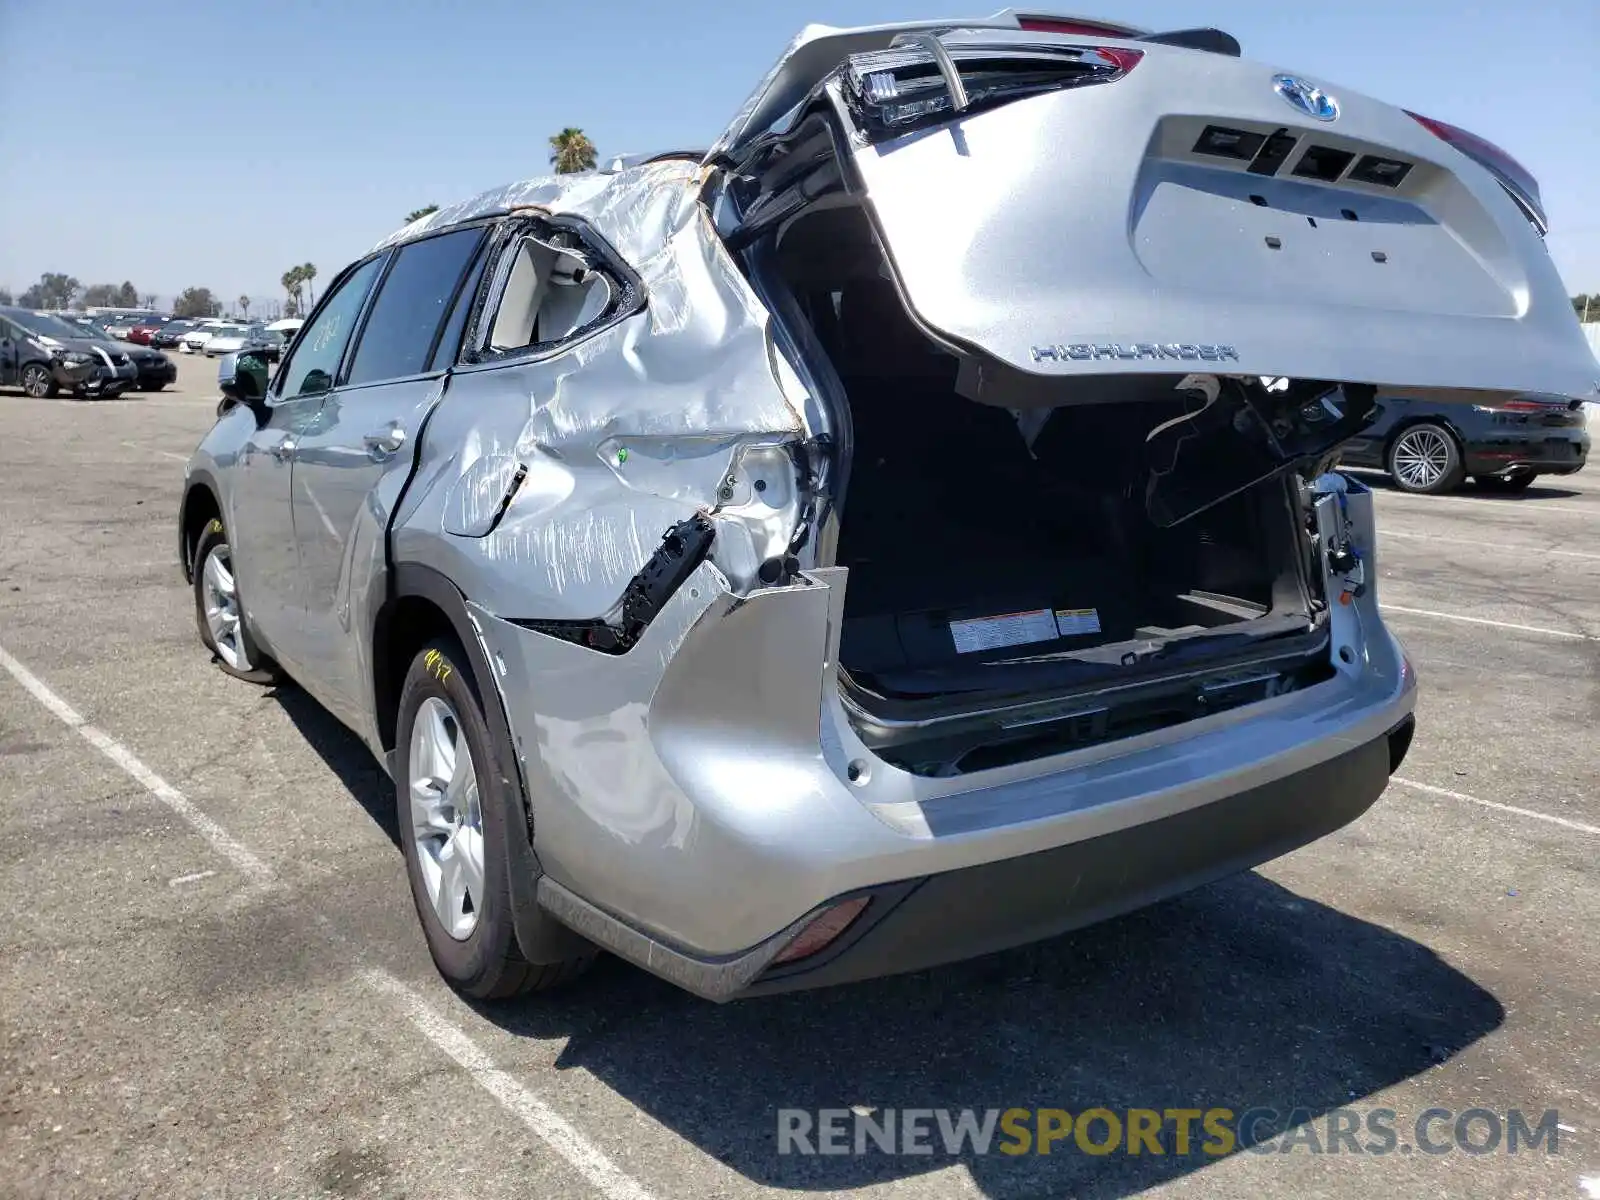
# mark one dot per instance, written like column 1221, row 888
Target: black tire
column 1516, row 481
column 151, row 387
column 486, row 964
column 37, row 382
column 261, row 669
column 1425, row 459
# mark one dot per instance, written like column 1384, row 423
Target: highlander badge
column 1085, row 351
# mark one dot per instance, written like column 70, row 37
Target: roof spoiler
column 1214, row 41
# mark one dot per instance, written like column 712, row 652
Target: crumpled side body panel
column 618, row 437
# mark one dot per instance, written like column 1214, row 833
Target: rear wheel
column 220, row 614
column 38, row 382
column 1426, row 459
column 1514, row 481
column 453, row 822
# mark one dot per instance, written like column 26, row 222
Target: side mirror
column 242, row 379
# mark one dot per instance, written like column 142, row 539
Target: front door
column 262, row 526
column 350, row 473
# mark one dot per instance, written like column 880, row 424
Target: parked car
column 155, row 370
column 119, row 327
column 733, row 577
column 195, row 340
column 228, row 339
column 42, row 356
column 170, row 334
column 1504, row 445
column 146, row 329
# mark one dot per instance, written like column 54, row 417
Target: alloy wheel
column 36, row 382
column 446, row 817
column 1421, row 458
column 223, row 617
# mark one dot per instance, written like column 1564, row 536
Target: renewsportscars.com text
column 1210, row 1132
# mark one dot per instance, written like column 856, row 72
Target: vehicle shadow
column 1380, row 481
column 1241, row 995
column 345, row 755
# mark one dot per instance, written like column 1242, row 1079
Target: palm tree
column 416, row 214
column 308, row 273
column 291, row 286
column 244, row 305
column 571, row 151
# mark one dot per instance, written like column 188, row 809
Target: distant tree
column 416, row 214
column 128, row 295
column 6, row 297
column 196, row 302
column 244, row 305
column 1587, row 306
column 571, row 151
column 308, row 272
column 52, row 291
column 99, row 295
column 291, row 281
column 150, row 299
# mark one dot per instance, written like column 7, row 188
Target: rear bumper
column 1545, row 451
column 982, row 909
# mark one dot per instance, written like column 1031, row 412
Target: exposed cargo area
column 1003, row 559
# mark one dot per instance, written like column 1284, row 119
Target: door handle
column 385, row 441
column 284, row 450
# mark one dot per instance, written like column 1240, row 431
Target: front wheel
column 453, row 826
column 219, row 613
column 1425, row 459
column 38, row 382
column 1515, row 481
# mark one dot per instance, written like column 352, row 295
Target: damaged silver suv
column 901, row 532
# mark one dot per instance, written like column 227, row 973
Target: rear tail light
column 894, row 91
column 1561, row 404
column 1517, row 180
column 1072, row 28
column 823, row 930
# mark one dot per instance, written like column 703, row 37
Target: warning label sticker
column 1074, row 622
column 1008, row 629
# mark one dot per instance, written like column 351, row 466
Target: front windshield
column 46, row 326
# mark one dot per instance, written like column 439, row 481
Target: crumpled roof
column 617, row 204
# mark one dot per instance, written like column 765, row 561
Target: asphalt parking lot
column 212, row 982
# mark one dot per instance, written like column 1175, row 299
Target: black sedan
column 1429, row 446
column 155, row 369
column 170, row 334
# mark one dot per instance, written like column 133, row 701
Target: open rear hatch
column 1090, row 302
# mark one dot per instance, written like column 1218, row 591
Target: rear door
column 350, row 472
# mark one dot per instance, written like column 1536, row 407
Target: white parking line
column 1577, row 826
column 542, row 1120
column 1386, row 533
column 248, row 864
column 1445, row 616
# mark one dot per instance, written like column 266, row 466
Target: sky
column 211, row 145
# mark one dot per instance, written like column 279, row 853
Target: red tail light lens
column 1126, row 60
column 1070, row 28
column 1513, row 176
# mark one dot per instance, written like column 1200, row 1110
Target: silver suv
column 878, row 540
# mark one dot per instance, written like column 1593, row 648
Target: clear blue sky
column 217, row 145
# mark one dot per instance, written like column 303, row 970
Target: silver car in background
column 901, row 532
